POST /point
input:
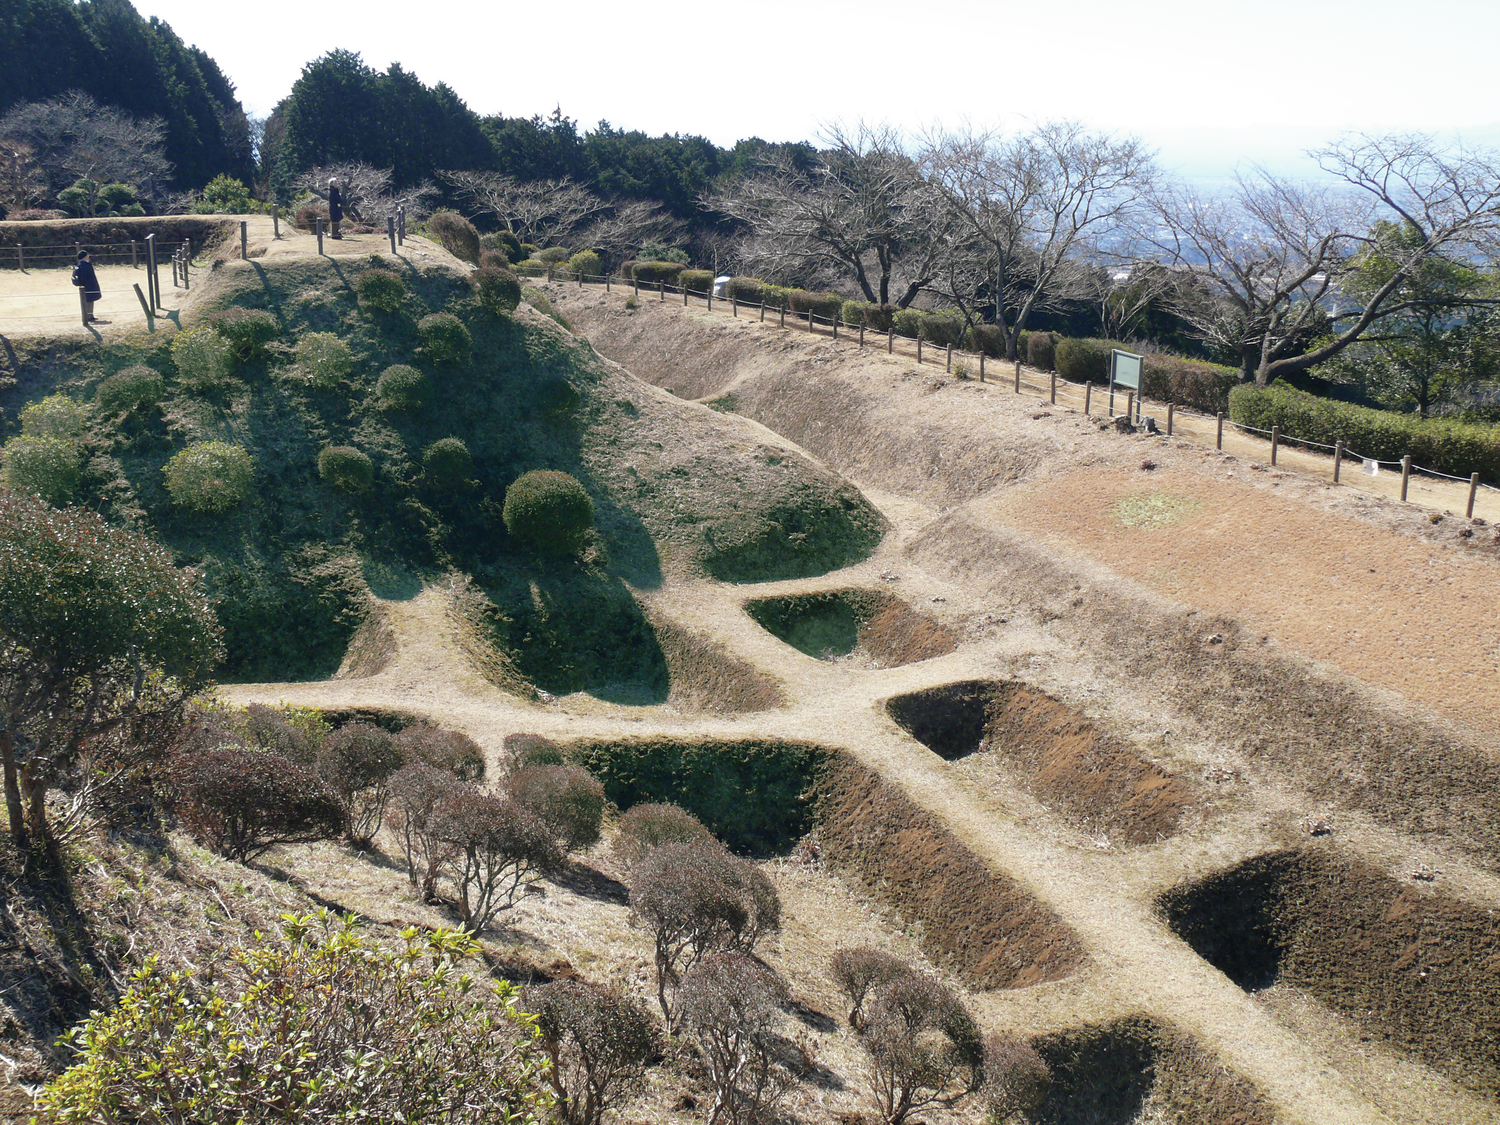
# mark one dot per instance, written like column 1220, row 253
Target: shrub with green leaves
column 327, row 1024
column 1188, row 382
column 569, row 801
column 498, row 290
column 380, row 289
column 1386, row 435
column 247, row 330
column 323, row 360
column 400, row 387
column 1041, row 350
column 554, row 255
column 881, row 318
column 746, row 290
column 455, row 234
column 943, row 329
column 346, row 469
column 55, row 416
column 696, row 281
column 852, row 313
column 908, row 323
column 549, row 511
column 988, row 339
column 824, row 306
column 587, row 263
column 1083, row 360
column 41, row 466
column 776, row 296
column 447, row 462
column 655, row 272
column 503, row 242
column 209, row 476
column 203, row 358
column 445, row 338
column 655, row 251
column 493, row 259
column 135, row 388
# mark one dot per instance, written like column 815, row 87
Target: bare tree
column 1016, row 1078
column 366, row 191
column 859, row 972
column 599, row 1041
column 696, row 899
column 729, row 1005
column 626, row 226
column 1263, row 264
column 862, row 209
column 535, row 211
column 74, row 139
column 416, row 790
column 1023, row 206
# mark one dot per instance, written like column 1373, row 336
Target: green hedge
column 1189, row 382
column 879, row 318
column 908, row 323
column 986, row 338
column 697, row 281
column 654, row 272
column 825, row 306
column 1433, row 443
column 746, row 290
column 943, row 329
column 1040, row 350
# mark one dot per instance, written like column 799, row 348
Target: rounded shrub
column 986, row 338
column 447, row 462
column 943, row 329
column 247, row 330
column 502, row 242
column 852, row 313
column 1041, row 350
column 493, row 259
column 746, row 290
column 445, row 339
column 498, row 290
column 527, row 750
column 651, row 825
column 586, row 262
column 825, row 306
column 568, row 799
column 1082, row 360
column 55, row 416
column 881, row 318
column 209, row 476
column 549, row 511
column 346, row 469
column 203, row 358
column 356, row 761
column 380, row 289
column 448, row 750
column 908, row 323
column 43, row 466
column 400, row 387
column 529, row 249
column 654, row 272
column 455, row 234
column 135, row 388
column 554, row 255
column 696, row 281
column 323, row 360
column 239, row 802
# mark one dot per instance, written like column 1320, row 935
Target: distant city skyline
column 1211, row 85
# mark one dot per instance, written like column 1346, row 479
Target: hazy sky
column 1209, row 82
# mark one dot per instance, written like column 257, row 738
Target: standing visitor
column 335, row 207
column 85, row 278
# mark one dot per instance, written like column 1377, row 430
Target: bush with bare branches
column 498, row 849
column 356, row 760
column 922, row 1045
column 651, row 825
column 729, row 1003
column 599, row 1040
column 448, row 750
column 861, row 971
column 524, row 750
column 696, row 899
column 416, row 790
column 240, row 802
column 569, row 800
column 1016, row 1078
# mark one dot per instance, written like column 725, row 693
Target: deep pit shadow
column 1234, row 920
column 830, row 624
column 1101, row 1075
column 949, row 720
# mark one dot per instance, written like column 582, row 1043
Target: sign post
column 1124, row 371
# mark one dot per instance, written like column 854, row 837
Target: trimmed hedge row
column 1448, row 447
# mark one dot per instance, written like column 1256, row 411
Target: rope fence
column 1020, row 378
column 145, row 254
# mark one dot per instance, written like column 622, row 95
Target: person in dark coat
column 86, row 279
column 335, row 207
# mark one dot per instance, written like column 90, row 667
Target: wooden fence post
column 950, row 359
column 635, row 284
column 1473, row 491
column 1088, row 398
column 919, row 349
column 1130, row 406
column 1018, row 376
column 1405, row 475
column 320, row 235
column 734, row 306
column 661, row 290
column 981, row 366
column 1052, row 393
column 134, row 262
column 809, row 320
column 684, row 296
column 1171, row 409
column 835, row 327
column 145, row 308
column 1219, row 439
column 782, row 310
column 861, row 335
column 710, row 296
column 390, row 230
column 1275, row 441
column 275, row 221
column 401, row 226
column 244, row 241
column 1338, row 459
column 21, row 255
column 153, row 279
column 606, row 281
column 762, row 312
column 890, row 341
